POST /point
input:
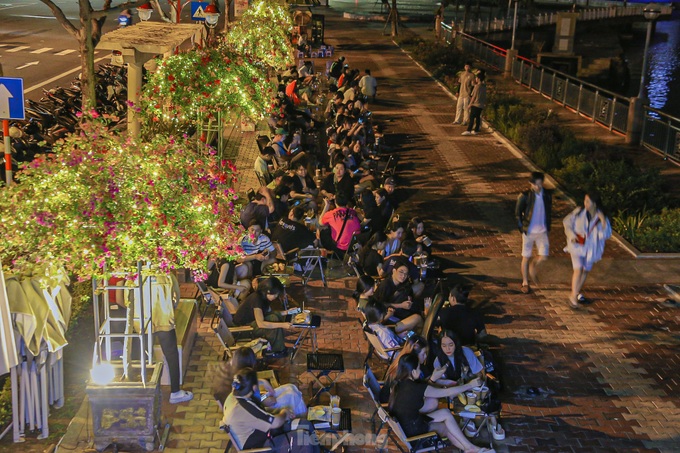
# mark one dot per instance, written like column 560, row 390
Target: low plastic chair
column 373, row 386
column 236, row 445
column 376, row 346
column 229, row 342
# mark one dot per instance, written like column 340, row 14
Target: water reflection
column 663, row 87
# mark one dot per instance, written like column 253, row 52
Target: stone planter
column 127, row 413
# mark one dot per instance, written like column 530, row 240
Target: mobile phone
column 409, row 334
column 360, row 121
column 356, row 171
column 263, row 397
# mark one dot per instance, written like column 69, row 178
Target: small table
column 305, row 329
column 321, row 367
column 341, row 433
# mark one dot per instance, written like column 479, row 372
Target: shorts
column 580, row 262
column 541, row 241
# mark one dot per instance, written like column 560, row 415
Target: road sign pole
column 8, row 152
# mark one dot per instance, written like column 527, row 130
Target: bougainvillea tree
column 100, row 200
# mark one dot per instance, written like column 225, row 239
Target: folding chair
column 217, row 298
column 372, row 386
column 309, row 259
column 236, row 445
column 376, row 346
column 262, row 142
column 429, row 441
column 352, row 255
column 225, row 335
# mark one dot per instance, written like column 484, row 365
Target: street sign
column 198, row 11
column 11, row 98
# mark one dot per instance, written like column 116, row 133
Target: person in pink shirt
column 342, row 221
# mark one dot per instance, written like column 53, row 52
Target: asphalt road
column 35, row 46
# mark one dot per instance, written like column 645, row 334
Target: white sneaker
column 466, row 133
column 474, row 133
column 470, row 430
column 181, row 397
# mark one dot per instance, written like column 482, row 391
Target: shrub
column 658, row 233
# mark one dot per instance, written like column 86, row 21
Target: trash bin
column 318, row 24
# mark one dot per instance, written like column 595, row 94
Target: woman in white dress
column 587, row 229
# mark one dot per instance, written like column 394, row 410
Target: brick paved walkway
column 606, row 376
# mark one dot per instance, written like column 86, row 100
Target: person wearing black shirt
column 291, row 233
column 370, row 258
column 465, row 322
column 256, row 312
column 395, row 292
column 338, row 181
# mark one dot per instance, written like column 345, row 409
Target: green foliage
column 658, row 233
column 6, row 402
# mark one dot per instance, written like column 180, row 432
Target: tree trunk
column 466, row 15
column 87, row 78
column 395, row 19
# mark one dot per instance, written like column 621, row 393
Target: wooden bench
column 186, row 325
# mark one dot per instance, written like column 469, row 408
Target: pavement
column 599, row 379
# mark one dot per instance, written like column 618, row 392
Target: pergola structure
column 142, row 42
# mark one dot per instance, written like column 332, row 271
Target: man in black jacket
column 533, row 212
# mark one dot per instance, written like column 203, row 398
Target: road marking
column 3, row 45
column 43, row 50
column 63, row 74
column 65, row 52
column 29, row 16
column 17, row 49
column 32, row 63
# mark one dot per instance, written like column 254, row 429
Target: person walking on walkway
column 533, row 213
column 466, row 80
column 587, row 229
column 477, row 104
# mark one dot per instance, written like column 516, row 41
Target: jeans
column 475, row 118
column 168, row 341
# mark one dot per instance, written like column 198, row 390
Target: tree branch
column 61, row 17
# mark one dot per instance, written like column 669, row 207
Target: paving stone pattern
column 606, row 376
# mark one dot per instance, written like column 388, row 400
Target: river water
column 663, row 75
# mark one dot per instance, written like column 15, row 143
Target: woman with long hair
column 418, row 345
column 415, row 405
column 461, row 362
column 371, row 255
column 286, row 396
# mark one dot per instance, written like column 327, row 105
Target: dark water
column 663, row 82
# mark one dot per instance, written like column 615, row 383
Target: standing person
column 466, row 80
column 533, row 212
column 587, row 228
column 477, row 104
column 368, row 85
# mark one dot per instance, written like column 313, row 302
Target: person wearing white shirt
column 368, row 85
column 532, row 213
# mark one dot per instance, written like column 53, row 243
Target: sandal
column 525, row 289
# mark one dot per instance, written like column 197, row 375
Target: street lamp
column 145, row 11
column 651, row 13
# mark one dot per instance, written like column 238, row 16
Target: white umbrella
column 8, row 349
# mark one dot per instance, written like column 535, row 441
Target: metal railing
column 660, row 131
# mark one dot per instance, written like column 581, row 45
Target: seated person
column 375, row 314
column 408, row 249
column 415, row 405
column 257, row 248
column 462, row 363
column 303, row 186
column 342, row 221
column 229, row 275
column 280, row 149
column 340, row 180
column 457, row 317
column 394, row 236
column 253, row 427
column 280, row 199
column 306, row 72
column 291, row 233
column 259, row 209
column 416, row 232
column 380, row 212
column 277, row 179
column 256, row 312
column 395, row 292
column 370, row 255
column 286, row 396
column 261, row 165
column 390, row 186
column 364, row 290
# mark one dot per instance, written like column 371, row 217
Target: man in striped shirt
column 258, row 249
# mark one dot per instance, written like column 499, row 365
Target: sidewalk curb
column 519, row 154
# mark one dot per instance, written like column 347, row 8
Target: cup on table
column 336, row 412
column 478, row 393
column 335, row 401
column 471, row 397
column 484, row 392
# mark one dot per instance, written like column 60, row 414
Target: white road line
column 3, row 45
column 65, row 52
column 63, row 74
column 17, row 49
column 29, row 16
column 43, row 50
